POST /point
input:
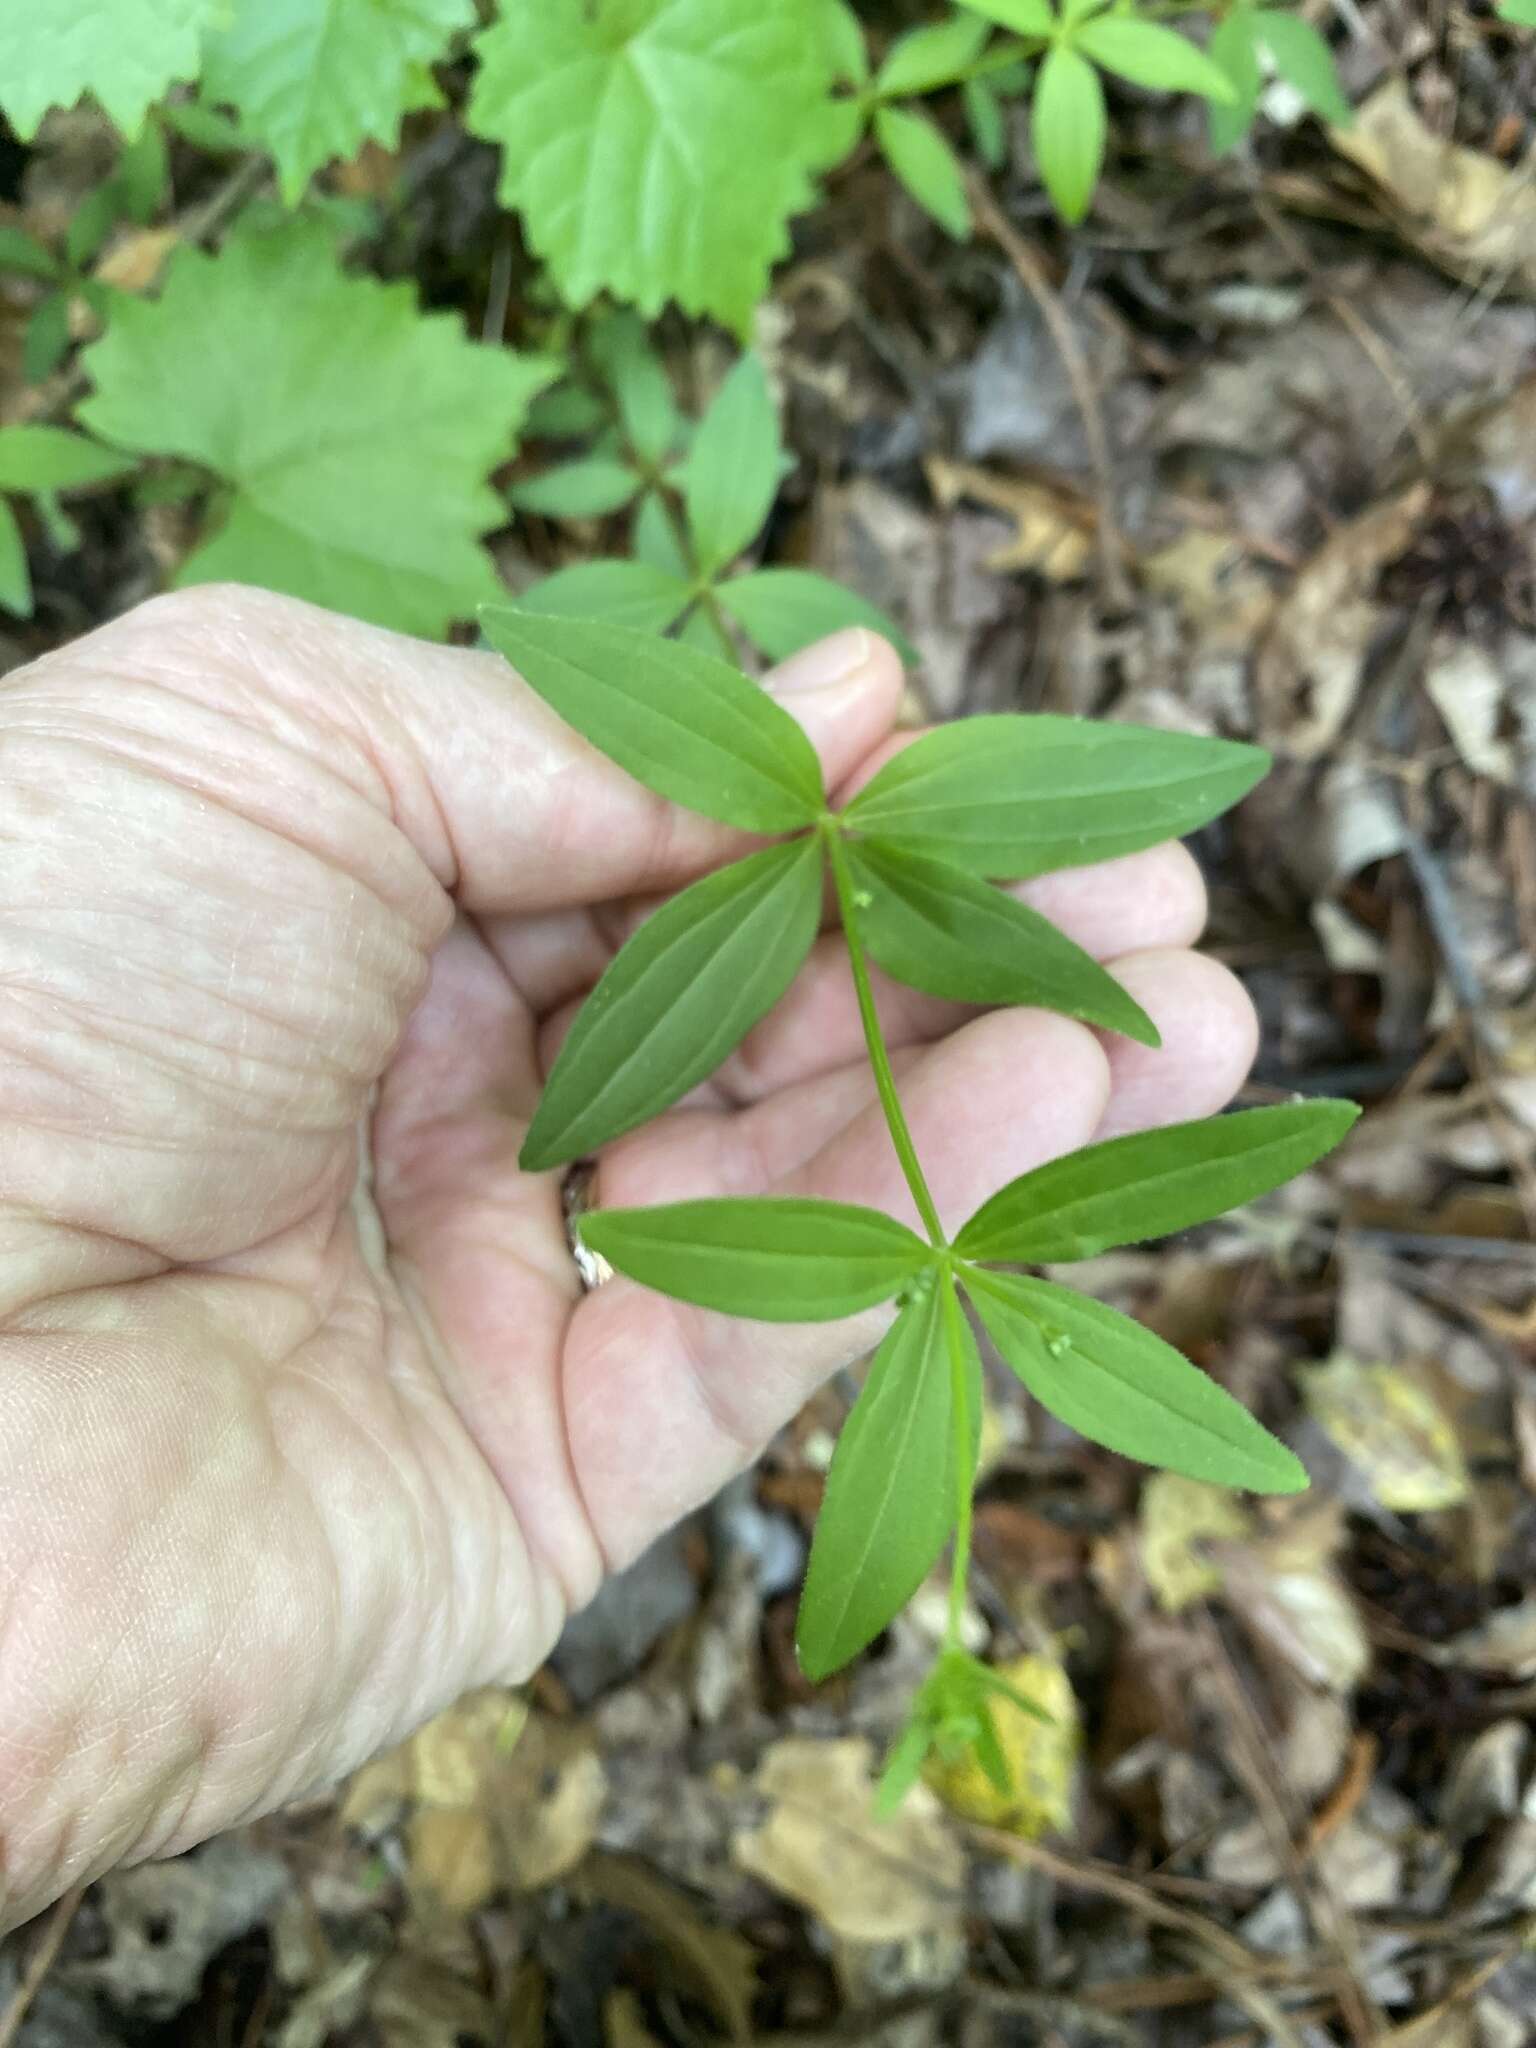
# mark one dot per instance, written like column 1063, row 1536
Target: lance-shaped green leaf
column 915, row 148
column 678, row 720
column 15, row 576
column 937, row 928
column 889, row 1506
column 578, row 490
column 634, row 373
column 1151, row 1183
column 36, row 458
column 629, row 593
column 783, row 610
column 1149, row 54
column 731, row 476
column 683, row 992
column 1232, row 45
column 1024, row 17
column 1303, row 59
column 1068, row 126
column 934, row 55
column 1009, row 796
column 1113, row 1381
column 778, row 1259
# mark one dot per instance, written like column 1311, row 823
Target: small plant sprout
column 913, row 862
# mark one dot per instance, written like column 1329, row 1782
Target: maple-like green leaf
column 656, row 148
column 126, row 52
column 354, row 434
column 315, row 79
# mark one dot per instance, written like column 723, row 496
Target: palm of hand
column 301, row 1462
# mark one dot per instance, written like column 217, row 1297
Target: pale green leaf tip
column 1296, row 1477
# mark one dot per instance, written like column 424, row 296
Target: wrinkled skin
column 286, row 1462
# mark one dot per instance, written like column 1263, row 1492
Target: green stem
column 960, row 1404
column 874, row 1039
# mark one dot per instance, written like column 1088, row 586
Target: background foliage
column 653, row 153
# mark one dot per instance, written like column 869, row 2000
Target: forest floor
column 1253, row 452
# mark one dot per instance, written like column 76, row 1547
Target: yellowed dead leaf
column 444, row 1764
column 1390, row 1427
column 820, row 1844
column 1054, row 535
column 1042, row 1756
column 1467, row 212
column 1214, row 584
column 498, row 1797
column 1312, row 660
column 547, row 1803
column 1178, row 1517
column 452, row 1857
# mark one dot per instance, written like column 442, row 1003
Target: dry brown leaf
column 417, row 2003
column 1466, row 211
column 135, row 261
column 1505, row 1644
column 715, row 1964
column 1312, row 661
column 1467, row 688
column 820, row 1844
column 1054, row 536
column 1215, row 585
column 1287, row 1593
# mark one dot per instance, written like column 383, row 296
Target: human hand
column 286, row 1466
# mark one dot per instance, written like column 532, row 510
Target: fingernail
column 823, row 666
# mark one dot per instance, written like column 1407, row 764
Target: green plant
column 702, row 495
column 655, row 151
column 135, row 191
column 42, row 463
column 345, row 436
column 911, row 863
column 1248, row 38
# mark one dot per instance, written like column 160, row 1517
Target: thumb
column 509, row 808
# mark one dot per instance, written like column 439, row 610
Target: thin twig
column 42, row 1961
column 1031, row 274
column 1234, row 1963
column 1252, row 1760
